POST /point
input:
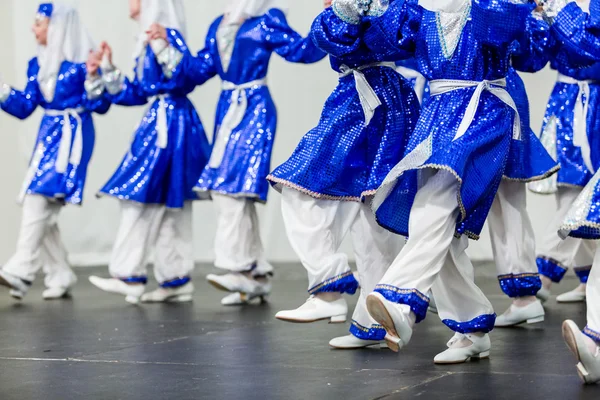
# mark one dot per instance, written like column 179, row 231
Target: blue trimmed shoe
column 588, row 366
column 350, row 342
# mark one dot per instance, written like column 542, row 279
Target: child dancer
column 579, row 32
column 156, row 177
column 68, row 90
column 327, row 183
column 457, row 157
column 238, row 48
column 511, row 230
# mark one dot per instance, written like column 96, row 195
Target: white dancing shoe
column 132, row 293
column 479, row 348
column 18, row 287
column 55, row 293
column 543, row 294
column 532, row 313
column 238, row 282
column 394, row 321
column 350, row 342
column 576, row 295
column 179, row 294
column 316, row 309
column 588, row 367
column 240, row 299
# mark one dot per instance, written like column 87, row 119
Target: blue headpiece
column 45, row 10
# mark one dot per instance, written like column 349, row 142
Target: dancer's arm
column 533, row 51
column 500, row 22
column 95, row 97
column 22, row 104
column 288, row 43
column 575, row 29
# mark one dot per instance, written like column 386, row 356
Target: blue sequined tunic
column 343, row 158
column 560, row 119
column 69, row 94
column 476, row 49
column 149, row 174
column 245, row 162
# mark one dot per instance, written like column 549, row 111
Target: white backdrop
column 299, row 92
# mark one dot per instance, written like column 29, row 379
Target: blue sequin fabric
column 551, row 269
column 583, row 273
column 520, row 285
column 68, row 94
column 343, row 157
column 483, row 323
column 417, row 301
column 473, row 45
column 247, row 156
column 413, row 77
column 374, row 332
column 578, row 31
column 149, row 174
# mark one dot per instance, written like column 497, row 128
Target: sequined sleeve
column 533, row 50
column 288, row 43
column 333, row 35
column 579, row 31
column 500, row 22
column 21, row 104
column 131, row 93
column 170, row 56
column 195, row 69
column 394, row 33
column 95, row 97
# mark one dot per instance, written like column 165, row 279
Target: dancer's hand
column 107, row 52
column 156, row 31
column 327, row 3
column 540, row 6
column 93, row 62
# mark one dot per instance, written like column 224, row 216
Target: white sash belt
column 420, row 80
column 580, row 113
column 67, row 153
column 496, row 87
column 368, row 98
column 162, row 127
column 233, row 117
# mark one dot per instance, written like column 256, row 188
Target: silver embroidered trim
column 450, row 27
column 169, row 58
column 577, row 217
column 94, row 86
column 4, row 92
column 226, row 38
column 378, row 8
column 551, row 8
column 548, row 139
column 351, row 11
column 113, row 80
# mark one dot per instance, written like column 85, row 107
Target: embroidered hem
column 583, row 273
column 520, row 285
column 208, row 192
column 592, row 334
column 546, row 175
column 278, row 182
column 551, row 269
column 343, row 283
column 175, row 283
column 417, row 301
column 100, row 195
column 375, row 332
column 483, row 323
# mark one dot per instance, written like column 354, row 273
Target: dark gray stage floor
column 96, row 346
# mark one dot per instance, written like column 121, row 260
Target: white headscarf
column 449, row 6
column 68, row 40
column 168, row 13
column 240, row 10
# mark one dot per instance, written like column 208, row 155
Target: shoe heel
column 182, row 298
column 338, row 319
column 536, row 320
column 484, row 354
column 582, row 372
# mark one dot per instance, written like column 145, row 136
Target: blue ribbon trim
column 417, row 301
column 551, row 269
column 344, row 283
column 483, row 323
column 375, row 332
column 175, row 283
column 583, row 273
column 520, row 285
column 135, row 279
column 592, row 334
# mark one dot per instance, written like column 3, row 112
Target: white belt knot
column 71, row 146
column 580, row 114
column 496, row 87
column 368, row 98
column 234, row 116
column 162, row 126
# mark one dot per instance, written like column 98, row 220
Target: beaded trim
column 536, row 178
column 417, row 301
column 375, row 332
column 276, row 182
column 337, row 284
column 520, row 285
column 550, row 268
column 591, row 333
